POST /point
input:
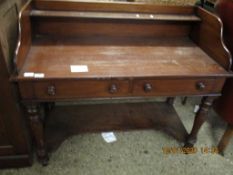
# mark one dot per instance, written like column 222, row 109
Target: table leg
column 170, row 100
column 37, row 130
column 184, row 100
column 225, row 139
column 200, row 118
column 48, row 107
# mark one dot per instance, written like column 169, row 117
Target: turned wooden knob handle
column 113, row 89
column 200, row 86
column 147, row 87
column 51, row 90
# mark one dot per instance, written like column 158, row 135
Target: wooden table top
column 119, row 57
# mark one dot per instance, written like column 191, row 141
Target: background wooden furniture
column 225, row 103
column 131, row 50
column 15, row 150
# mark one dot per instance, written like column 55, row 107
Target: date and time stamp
column 191, row 150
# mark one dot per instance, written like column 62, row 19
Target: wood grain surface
column 145, row 58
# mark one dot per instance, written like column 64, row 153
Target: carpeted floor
column 138, row 152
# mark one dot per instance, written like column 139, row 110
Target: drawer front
column 68, row 89
column 80, row 89
column 173, row 87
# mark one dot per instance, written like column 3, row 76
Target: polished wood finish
column 58, row 89
column 70, row 5
column 36, row 124
column 175, row 87
column 15, row 143
column 24, row 43
column 200, row 118
column 112, row 15
column 127, row 54
column 120, row 57
column 209, row 36
column 224, row 10
column 223, row 143
column 224, row 105
column 73, row 27
column 80, row 89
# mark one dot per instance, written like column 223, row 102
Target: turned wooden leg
column 170, row 100
column 225, row 139
column 37, row 129
column 48, row 107
column 184, row 100
column 199, row 120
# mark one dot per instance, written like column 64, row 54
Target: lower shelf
column 65, row 121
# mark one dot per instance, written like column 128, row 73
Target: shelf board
column 116, row 15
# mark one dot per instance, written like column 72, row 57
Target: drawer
column 173, row 87
column 64, row 89
column 68, row 89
